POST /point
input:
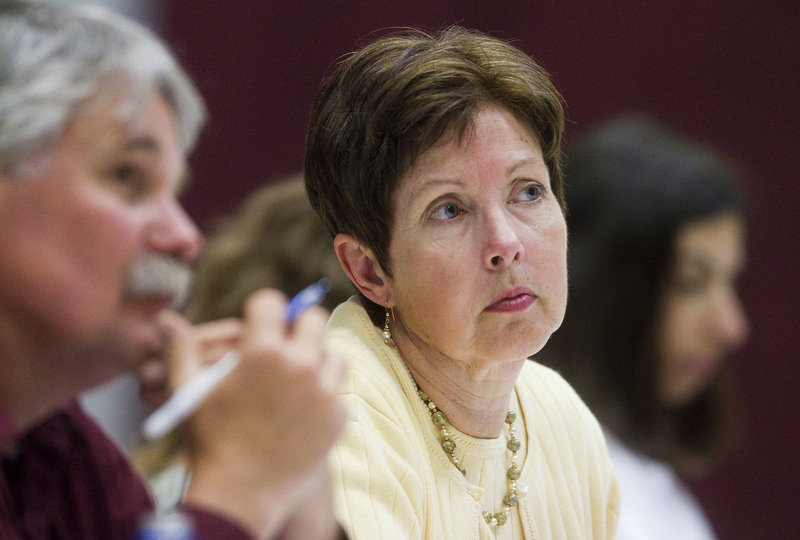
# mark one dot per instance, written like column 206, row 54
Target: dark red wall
column 727, row 72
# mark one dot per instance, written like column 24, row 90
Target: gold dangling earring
column 387, row 334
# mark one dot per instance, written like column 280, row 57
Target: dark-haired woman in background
column 657, row 234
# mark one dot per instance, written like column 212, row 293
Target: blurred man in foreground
column 96, row 119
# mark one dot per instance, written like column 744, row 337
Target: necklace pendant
column 510, row 499
column 489, row 518
column 513, row 472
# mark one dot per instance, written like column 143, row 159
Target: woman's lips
column 515, row 300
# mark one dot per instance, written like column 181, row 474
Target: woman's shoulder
column 568, row 442
column 375, row 374
column 553, row 400
column 352, row 334
column 350, row 326
column 547, row 383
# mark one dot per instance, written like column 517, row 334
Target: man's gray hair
column 54, row 58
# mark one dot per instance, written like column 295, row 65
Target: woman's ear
column 362, row 268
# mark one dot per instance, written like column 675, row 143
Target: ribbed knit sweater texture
column 393, row 481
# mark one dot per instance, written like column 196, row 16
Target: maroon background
column 727, row 72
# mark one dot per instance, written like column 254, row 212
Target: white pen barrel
column 188, row 397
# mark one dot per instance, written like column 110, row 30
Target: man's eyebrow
column 148, row 144
column 143, row 142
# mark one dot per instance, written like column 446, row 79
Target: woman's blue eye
column 447, row 211
column 450, row 210
column 531, row 192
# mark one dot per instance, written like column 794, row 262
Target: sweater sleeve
column 378, row 494
column 571, row 436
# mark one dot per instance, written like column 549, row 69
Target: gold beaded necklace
column 449, row 446
column 514, row 484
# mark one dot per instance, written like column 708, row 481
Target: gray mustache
column 160, row 275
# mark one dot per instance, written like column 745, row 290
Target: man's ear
column 362, row 268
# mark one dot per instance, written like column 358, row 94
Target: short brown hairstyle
column 392, row 100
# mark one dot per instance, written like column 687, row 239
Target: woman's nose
column 503, row 245
column 730, row 324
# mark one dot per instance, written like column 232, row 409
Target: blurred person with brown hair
column 96, row 120
column 657, row 242
column 275, row 239
column 434, row 161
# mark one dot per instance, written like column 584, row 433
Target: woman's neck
column 475, row 402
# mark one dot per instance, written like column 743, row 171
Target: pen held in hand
column 189, row 396
column 310, row 296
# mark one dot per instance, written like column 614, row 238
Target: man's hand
column 258, row 444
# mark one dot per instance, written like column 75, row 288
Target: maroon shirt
column 66, row 479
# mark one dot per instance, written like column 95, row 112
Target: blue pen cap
column 171, row 525
column 306, row 298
